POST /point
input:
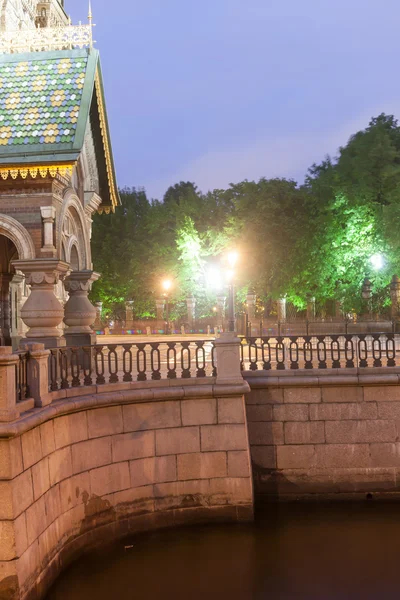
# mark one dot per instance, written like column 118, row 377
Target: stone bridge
column 83, row 464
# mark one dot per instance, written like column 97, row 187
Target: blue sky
column 217, row 91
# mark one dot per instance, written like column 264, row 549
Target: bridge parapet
column 88, row 464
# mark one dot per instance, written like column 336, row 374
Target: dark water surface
column 300, row 552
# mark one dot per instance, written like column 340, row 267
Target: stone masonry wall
column 88, row 469
column 332, row 436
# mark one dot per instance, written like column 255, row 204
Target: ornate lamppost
column 232, row 260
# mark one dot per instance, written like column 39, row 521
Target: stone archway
column 15, row 243
column 73, row 230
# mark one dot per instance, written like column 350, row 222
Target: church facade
column 56, row 171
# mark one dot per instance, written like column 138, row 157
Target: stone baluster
column 43, row 312
column 80, row 313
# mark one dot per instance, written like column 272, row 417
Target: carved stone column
column 129, row 314
column 80, row 313
column 43, row 312
column 160, row 306
column 395, row 301
column 191, row 308
column 48, row 216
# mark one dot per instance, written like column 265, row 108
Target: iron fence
column 113, row 363
column 319, row 351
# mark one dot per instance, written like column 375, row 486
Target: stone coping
column 334, row 377
column 79, row 399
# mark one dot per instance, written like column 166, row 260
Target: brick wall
column 78, row 473
column 311, row 437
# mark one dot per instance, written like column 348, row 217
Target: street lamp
column 232, row 260
column 166, row 284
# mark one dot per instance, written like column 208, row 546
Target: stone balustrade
column 85, row 465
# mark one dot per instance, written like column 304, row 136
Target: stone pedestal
column 282, row 310
column 160, row 306
column 42, row 312
column 227, row 348
column 80, row 313
column 191, row 308
column 129, row 314
column 8, row 392
column 251, row 306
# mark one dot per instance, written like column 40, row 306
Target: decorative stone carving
column 80, row 313
column 42, row 312
column 251, row 305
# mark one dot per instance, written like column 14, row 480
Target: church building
column 56, row 171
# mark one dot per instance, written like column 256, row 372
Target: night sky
column 217, row 91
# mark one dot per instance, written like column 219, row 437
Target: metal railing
column 21, row 376
column 113, row 363
column 334, row 351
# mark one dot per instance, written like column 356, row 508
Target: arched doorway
column 8, row 293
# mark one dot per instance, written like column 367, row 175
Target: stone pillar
column 99, row 310
column 42, row 312
column 5, row 308
column 311, row 309
column 191, row 310
column 129, row 314
column 38, row 373
column 366, row 293
column 8, row 391
column 228, row 358
column 160, row 306
column 251, row 306
column 48, row 216
column 395, row 301
column 221, row 303
column 80, row 313
column 281, row 310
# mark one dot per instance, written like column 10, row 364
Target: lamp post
column 166, row 284
column 232, row 260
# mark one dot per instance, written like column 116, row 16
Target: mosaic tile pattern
column 40, row 100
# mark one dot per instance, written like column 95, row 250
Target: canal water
column 291, row 552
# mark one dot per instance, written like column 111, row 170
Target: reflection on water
column 299, row 552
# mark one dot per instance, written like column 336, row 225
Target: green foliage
column 314, row 240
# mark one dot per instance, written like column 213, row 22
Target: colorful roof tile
column 46, row 101
column 40, row 100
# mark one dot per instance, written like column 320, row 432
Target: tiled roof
column 40, row 100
